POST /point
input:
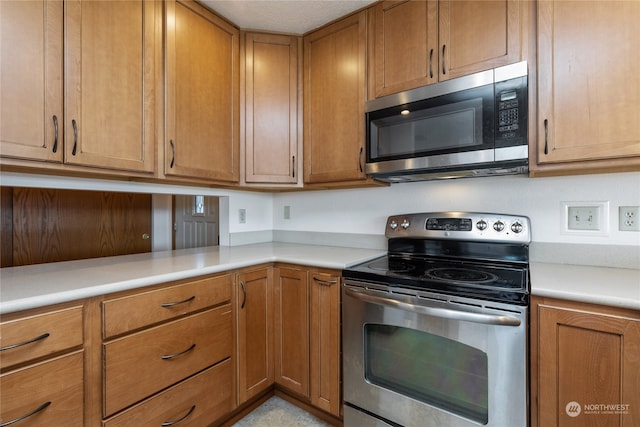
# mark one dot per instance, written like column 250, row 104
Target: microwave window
column 447, row 127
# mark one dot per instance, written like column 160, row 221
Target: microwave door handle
column 446, row 313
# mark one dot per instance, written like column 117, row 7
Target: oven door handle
column 446, row 313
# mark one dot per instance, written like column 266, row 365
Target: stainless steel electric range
column 435, row 332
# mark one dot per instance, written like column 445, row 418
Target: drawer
column 58, row 381
column 31, row 337
column 198, row 401
column 146, row 308
column 146, row 362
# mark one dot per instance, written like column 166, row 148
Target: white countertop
column 44, row 284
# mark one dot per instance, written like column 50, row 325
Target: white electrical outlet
column 287, row 212
column 586, row 218
column 242, row 216
column 629, row 218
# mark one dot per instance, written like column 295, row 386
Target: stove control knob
column 517, row 227
column 405, row 224
column 393, row 225
column 481, row 225
column 498, row 226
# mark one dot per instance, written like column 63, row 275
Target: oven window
column 438, row 371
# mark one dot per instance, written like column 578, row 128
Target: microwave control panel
column 511, row 108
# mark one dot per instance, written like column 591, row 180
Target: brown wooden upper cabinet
column 417, row 43
column 272, row 132
column 202, row 92
column 588, row 86
column 106, row 52
column 334, row 97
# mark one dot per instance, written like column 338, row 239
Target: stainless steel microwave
column 474, row 125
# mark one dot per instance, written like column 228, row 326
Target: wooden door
column 271, row 109
column 334, row 96
column 255, row 332
column 291, row 292
column 324, row 337
column 477, row 35
column 589, row 82
column 406, row 45
column 31, row 111
column 202, row 54
column 110, row 75
column 586, row 356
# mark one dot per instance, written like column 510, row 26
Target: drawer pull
column 38, row 338
column 35, row 411
column 171, row 304
column 325, row 282
column 244, row 294
column 173, row 356
column 172, row 423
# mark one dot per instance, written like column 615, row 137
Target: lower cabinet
column 307, row 335
column 585, row 365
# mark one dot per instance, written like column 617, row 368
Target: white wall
column 365, row 210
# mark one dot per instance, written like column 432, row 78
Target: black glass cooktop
column 498, row 281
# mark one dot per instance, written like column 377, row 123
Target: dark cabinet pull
column 173, row 356
column 38, row 338
column 173, row 154
column 325, row 282
column 293, row 166
column 172, row 423
column 360, row 160
column 244, row 294
column 55, row 137
column 431, row 63
column 171, row 304
column 75, row 136
column 35, row 411
column 444, row 69
column 546, row 136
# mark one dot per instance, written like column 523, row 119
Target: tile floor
column 276, row 412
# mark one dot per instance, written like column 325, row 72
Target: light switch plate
column 585, row 218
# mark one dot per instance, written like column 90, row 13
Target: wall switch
column 629, row 218
column 287, row 212
column 588, row 218
column 242, row 216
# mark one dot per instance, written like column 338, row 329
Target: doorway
column 195, row 221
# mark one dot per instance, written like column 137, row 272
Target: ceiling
column 285, row 16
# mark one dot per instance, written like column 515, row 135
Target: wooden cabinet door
column 586, row 356
column 271, row 109
column 406, row 45
column 110, row 75
column 202, row 59
column 255, row 332
column 31, row 111
column 589, row 83
column 334, row 97
column 324, row 337
column 477, row 35
column 291, row 321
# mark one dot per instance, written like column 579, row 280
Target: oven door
column 432, row 360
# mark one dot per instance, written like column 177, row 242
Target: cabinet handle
column 293, row 166
column 360, row 160
column 172, row 423
column 325, row 282
column 55, row 137
column 244, row 294
column 38, row 338
column 171, row 304
column 75, row 136
column 444, row 68
column 173, row 356
column 35, row 411
column 173, row 154
column 546, row 136
column 431, row 63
